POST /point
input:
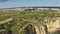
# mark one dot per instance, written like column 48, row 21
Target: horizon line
column 32, row 7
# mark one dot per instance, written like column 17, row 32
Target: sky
column 26, row 3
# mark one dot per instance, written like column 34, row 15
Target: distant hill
column 32, row 7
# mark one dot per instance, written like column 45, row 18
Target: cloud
column 3, row 0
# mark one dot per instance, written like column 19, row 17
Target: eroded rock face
column 50, row 27
column 53, row 26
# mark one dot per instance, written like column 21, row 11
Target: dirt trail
column 7, row 20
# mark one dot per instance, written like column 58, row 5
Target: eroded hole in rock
column 29, row 30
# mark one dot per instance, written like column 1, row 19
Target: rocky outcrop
column 47, row 28
column 52, row 26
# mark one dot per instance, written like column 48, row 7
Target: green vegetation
column 19, row 17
